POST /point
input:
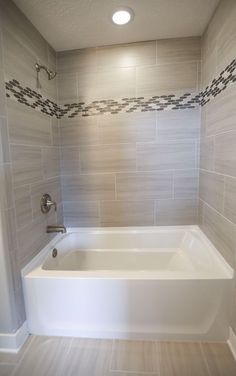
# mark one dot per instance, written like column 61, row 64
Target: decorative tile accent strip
column 226, row 77
column 33, row 99
column 140, row 104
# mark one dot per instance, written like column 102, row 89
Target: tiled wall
column 30, row 145
column 218, row 139
column 130, row 165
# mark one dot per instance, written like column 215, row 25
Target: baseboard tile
column 232, row 342
column 12, row 342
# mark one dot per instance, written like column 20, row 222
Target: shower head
column 51, row 75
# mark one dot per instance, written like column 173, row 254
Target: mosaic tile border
column 35, row 100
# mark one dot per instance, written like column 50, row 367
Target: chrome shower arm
column 50, row 74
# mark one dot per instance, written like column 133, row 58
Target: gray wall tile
column 185, row 184
column 176, row 212
column 221, row 112
column 178, row 50
column 26, row 164
column 218, row 149
column 82, row 131
column 225, row 156
column 133, row 54
column 127, row 128
column 4, row 141
column 27, row 126
column 82, row 214
column 108, row 158
column 127, row 213
column 70, row 160
column 221, row 232
column 178, row 125
column 230, row 199
column 88, row 187
column 167, row 78
column 166, row 156
column 144, row 185
column 51, row 162
column 211, row 189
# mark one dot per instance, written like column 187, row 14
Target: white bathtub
column 148, row 283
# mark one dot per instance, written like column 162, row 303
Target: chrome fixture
column 54, row 252
column 51, row 74
column 56, row 228
column 46, row 203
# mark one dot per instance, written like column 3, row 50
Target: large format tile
column 27, row 126
column 178, row 50
column 211, row 189
column 90, row 357
column 176, row 212
column 219, row 359
column 127, row 55
column 115, row 83
column 14, row 21
column 225, row 156
column 108, row 158
column 182, row 359
column 166, row 156
column 81, row 214
column 144, row 185
column 226, row 40
column 178, row 125
column 6, row 192
column 23, row 206
column 6, row 369
column 67, row 88
column 19, row 62
column 31, row 239
column 2, row 86
column 4, row 142
column 221, row 232
column 26, row 164
column 47, row 357
column 166, row 78
column 127, row 128
column 70, row 160
column 127, row 213
column 185, row 184
column 230, row 199
column 220, row 112
column 79, row 132
column 76, row 60
column 88, row 187
column 51, row 162
column 207, row 153
column 135, row 356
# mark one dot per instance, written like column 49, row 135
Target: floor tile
column 219, row 359
column 135, row 356
column 182, row 359
column 47, row 356
column 15, row 358
column 6, row 369
column 89, row 357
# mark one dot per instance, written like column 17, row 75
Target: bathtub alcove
column 136, row 283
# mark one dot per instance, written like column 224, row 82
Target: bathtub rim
column 34, row 268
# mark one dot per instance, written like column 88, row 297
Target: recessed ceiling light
column 122, row 16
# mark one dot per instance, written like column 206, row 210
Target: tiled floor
column 50, row 356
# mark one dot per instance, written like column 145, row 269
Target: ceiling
column 71, row 24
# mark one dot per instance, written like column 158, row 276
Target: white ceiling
column 71, row 24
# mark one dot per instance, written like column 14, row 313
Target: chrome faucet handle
column 46, row 203
column 52, row 203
